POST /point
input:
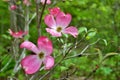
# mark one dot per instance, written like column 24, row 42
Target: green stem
column 52, row 68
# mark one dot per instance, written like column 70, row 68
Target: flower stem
column 80, row 54
column 52, row 68
column 27, row 19
column 39, row 16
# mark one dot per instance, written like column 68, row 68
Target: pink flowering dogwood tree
column 29, row 20
column 43, row 55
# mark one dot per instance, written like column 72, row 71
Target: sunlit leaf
column 100, row 55
column 105, row 41
column 63, row 68
column 82, row 29
column 27, row 37
column 91, row 33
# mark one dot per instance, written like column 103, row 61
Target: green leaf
column 106, row 70
column 65, row 35
column 6, row 36
column 105, row 41
column 91, row 33
column 100, row 55
column 27, row 37
column 109, row 55
column 18, row 2
column 63, row 68
column 82, row 29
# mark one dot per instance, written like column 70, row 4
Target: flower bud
column 13, row 7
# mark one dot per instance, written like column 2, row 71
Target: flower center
column 59, row 29
column 41, row 55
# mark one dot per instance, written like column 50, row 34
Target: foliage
column 95, row 19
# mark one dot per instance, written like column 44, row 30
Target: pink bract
column 48, row 1
column 43, row 51
column 54, row 11
column 19, row 34
column 59, row 24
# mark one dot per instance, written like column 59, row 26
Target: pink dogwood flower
column 19, row 34
column 32, row 63
column 59, row 24
column 54, row 11
column 48, row 2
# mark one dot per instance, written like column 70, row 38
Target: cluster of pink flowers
column 57, row 22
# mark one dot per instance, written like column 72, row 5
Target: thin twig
column 37, row 13
column 52, row 68
column 6, row 65
column 32, row 77
column 39, row 17
column 32, row 18
column 18, row 14
column 76, row 44
column 27, row 19
column 80, row 54
column 17, row 66
column 42, row 13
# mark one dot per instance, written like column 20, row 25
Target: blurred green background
column 102, row 17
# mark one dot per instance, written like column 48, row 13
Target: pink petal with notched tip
column 30, row 46
column 63, row 20
column 54, row 11
column 53, row 32
column 48, row 62
column 50, row 21
column 45, row 45
column 31, row 64
column 71, row 30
